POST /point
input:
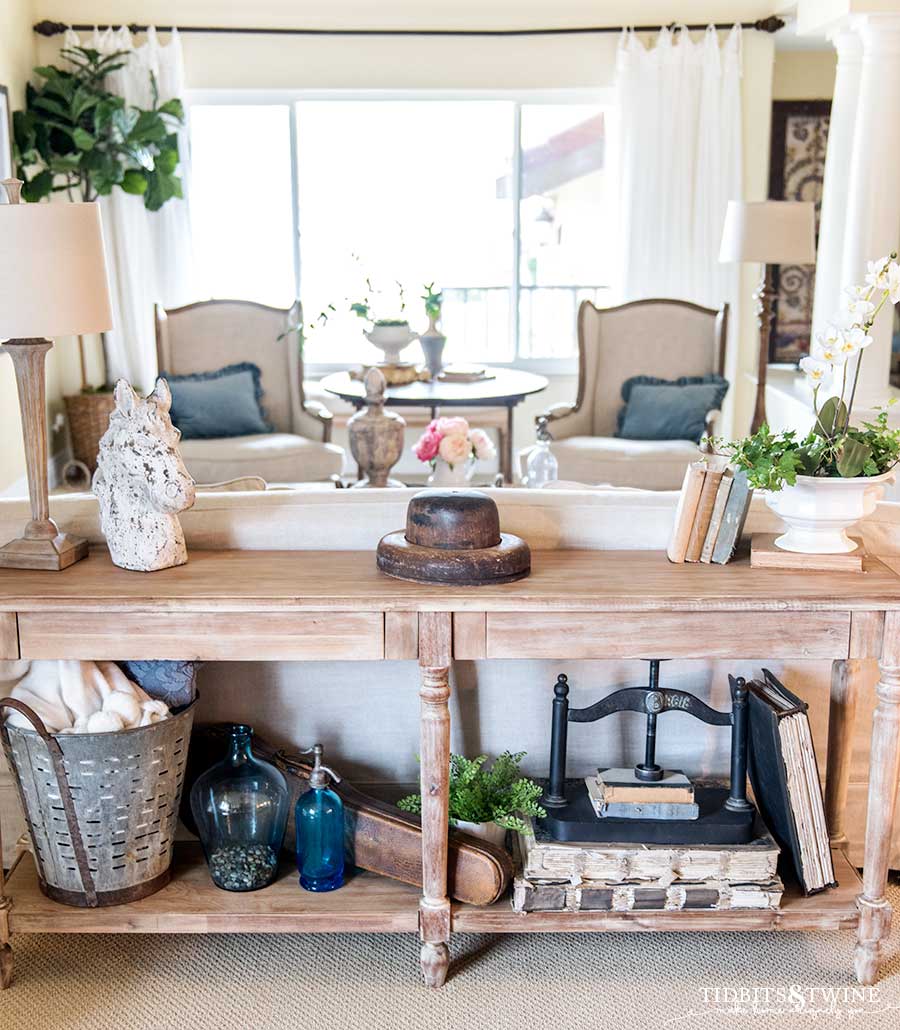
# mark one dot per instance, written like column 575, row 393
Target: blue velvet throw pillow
column 660, row 409
column 227, row 402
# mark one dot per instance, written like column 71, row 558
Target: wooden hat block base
column 52, row 554
column 765, row 555
column 453, row 537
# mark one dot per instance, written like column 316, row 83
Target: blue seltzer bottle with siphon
column 319, row 819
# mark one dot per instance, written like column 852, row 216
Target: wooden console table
column 242, row 605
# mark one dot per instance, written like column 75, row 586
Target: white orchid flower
column 856, row 338
column 853, row 341
column 859, row 308
column 833, row 337
column 877, row 273
column 828, row 349
column 818, row 372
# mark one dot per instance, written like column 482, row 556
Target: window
column 503, row 203
column 241, row 202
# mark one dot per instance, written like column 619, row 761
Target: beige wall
column 804, row 74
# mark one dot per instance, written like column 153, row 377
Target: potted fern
column 487, row 802
column 822, row 483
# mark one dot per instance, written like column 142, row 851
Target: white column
column 873, row 197
column 833, row 215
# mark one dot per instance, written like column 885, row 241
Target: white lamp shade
column 52, row 271
column 772, row 232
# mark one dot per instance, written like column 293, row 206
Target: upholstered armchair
column 662, row 338
column 211, row 334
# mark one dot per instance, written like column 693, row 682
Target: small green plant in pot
column 486, row 801
column 822, row 483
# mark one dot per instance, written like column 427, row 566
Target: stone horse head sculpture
column 141, row 482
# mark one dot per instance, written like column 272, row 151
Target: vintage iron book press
column 649, row 804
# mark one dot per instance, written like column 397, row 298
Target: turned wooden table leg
column 884, row 770
column 845, row 683
column 434, row 907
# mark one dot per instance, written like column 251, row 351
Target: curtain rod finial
column 771, row 24
column 50, row 28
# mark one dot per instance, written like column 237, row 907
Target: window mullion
column 516, row 241
column 295, row 199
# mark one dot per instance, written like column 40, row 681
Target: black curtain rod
column 56, row 28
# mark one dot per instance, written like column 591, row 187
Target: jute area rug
column 352, row 982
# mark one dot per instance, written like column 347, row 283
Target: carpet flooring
column 357, row 982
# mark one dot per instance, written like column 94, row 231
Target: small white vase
column 819, row 510
column 490, row 832
column 391, row 339
column 447, row 475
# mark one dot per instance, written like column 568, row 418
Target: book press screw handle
column 737, row 795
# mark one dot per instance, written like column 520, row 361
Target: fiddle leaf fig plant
column 75, row 136
column 497, row 794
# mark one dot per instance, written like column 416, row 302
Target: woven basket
column 88, row 415
column 101, row 808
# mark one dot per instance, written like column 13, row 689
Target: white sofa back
column 355, row 520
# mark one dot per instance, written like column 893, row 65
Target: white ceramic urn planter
column 819, row 510
column 490, row 832
column 391, row 339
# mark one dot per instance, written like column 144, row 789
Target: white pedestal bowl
column 818, row 511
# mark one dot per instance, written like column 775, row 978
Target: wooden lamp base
column 53, row 553
column 42, row 546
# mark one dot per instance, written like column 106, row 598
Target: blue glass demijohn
column 319, row 819
column 240, row 806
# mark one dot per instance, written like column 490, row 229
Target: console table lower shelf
column 373, row 904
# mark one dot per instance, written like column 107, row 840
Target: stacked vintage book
column 711, row 513
column 567, row 877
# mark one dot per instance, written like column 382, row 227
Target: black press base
column 577, row 821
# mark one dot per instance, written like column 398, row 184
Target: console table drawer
column 668, row 635
column 228, row 636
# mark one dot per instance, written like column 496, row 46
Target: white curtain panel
column 149, row 252
column 679, row 163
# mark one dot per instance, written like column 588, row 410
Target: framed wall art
column 796, row 172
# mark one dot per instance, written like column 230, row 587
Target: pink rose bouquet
column 451, row 440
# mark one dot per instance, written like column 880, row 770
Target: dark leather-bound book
column 785, row 778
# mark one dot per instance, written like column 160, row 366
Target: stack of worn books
column 569, row 877
column 711, row 513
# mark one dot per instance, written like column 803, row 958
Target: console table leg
column 434, row 692
column 884, row 770
column 845, row 681
column 6, row 955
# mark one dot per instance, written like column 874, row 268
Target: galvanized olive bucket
column 101, row 808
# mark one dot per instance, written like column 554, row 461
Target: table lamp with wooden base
column 52, row 283
column 771, row 232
